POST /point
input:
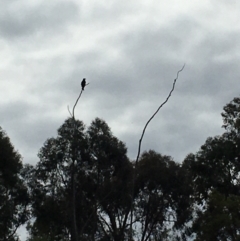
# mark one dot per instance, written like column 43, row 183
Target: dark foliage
column 13, row 192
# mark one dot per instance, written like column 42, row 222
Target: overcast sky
column 129, row 52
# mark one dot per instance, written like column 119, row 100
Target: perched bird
column 83, row 84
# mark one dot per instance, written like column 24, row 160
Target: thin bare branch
column 145, row 127
column 72, row 114
column 103, row 229
column 105, row 222
column 69, row 111
column 76, row 104
column 140, row 143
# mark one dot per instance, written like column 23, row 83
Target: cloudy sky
column 129, row 52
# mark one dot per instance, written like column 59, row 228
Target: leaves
column 14, row 197
column 199, row 197
column 215, row 173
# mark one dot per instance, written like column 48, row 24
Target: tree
column 89, row 168
column 52, row 188
column 96, row 161
column 215, row 176
column 113, row 173
column 103, row 180
column 162, row 200
column 221, row 220
column 14, row 197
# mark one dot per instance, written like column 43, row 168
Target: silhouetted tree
column 13, row 192
column 101, row 168
column 162, row 197
column 215, row 177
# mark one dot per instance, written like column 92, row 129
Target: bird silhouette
column 83, row 84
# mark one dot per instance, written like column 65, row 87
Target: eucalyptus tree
column 215, row 170
column 101, row 170
column 14, row 199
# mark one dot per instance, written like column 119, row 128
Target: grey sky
column 130, row 53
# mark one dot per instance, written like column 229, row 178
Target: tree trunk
column 74, row 232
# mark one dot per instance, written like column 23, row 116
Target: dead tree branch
column 69, row 111
column 140, row 143
column 145, row 127
column 72, row 114
column 76, row 104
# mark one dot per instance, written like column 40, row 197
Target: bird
column 83, row 84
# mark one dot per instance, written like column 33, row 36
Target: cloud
column 24, row 19
column 129, row 53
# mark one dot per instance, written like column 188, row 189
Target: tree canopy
column 215, row 175
column 82, row 188
column 13, row 192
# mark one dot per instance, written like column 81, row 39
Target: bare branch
column 76, row 104
column 105, row 222
column 140, row 142
column 72, row 114
column 145, row 127
column 69, row 111
column 103, row 228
